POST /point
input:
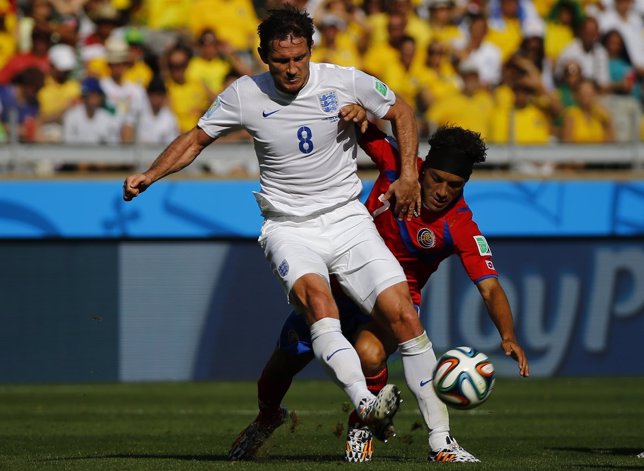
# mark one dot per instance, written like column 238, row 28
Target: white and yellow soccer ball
column 463, row 378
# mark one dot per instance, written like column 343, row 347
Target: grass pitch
column 530, row 424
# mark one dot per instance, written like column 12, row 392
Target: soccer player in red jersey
column 443, row 227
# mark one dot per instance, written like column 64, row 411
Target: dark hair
column 623, row 53
column 283, row 23
column 30, row 76
column 469, row 143
column 157, row 85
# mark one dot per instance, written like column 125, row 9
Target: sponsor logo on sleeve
column 426, row 238
column 215, row 105
column 489, row 264
column 481, row 243
column 381, row 87
column 328, row 102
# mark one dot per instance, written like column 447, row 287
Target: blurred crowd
column 517, row 71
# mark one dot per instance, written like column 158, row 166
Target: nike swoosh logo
column 328, row 357
column 266, row 115
column 423, row 383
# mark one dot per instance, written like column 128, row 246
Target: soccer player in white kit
column 314, row 223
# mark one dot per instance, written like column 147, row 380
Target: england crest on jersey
column 328, row 102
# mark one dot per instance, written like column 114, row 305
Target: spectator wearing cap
column 61, row 92
column 476, row 49
column 158, row 124
column 334, row 45
column 138, row 71
column 188, row 98
column 214, row 61
column 89, row 122
column 127, row 99
column 19, row 104
column 471, row 107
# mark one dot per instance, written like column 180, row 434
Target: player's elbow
column 399, row 111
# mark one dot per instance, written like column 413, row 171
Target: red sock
column 374, row 385
column 270, row 392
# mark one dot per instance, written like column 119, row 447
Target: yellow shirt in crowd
column 54, row 97
column 470, row 112
column 556, row 39
column 507, row 39
column 210, row 73
column 188, row 102
column 167, row 14
column 529, row 125
column 139, row 73
column 233, row 21
column 345, row 54
column 587, row 129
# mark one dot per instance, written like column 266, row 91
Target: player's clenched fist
column 135, row 185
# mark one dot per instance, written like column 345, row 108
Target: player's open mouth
column 439, row 203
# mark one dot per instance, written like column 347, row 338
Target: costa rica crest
column 426, row 238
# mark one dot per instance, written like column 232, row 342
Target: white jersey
column 128, row 99
column 160, row 128
column 78, row 128
column 306, row 153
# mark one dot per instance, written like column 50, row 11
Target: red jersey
column 421, row 244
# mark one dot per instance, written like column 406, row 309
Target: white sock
column 418, row 360
column 340, row 359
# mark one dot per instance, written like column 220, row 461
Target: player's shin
column 418, row 360
column 270, row 392
column 340, row 358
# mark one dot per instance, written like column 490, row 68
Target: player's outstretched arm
column 407, row 188
column 179, row 154
column 499, row 310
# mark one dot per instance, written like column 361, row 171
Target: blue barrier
column 204, row 209
column 110, row 307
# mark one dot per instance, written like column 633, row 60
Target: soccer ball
column 463, row 378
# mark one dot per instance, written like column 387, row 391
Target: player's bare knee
column 373, row 357
column 312, row 296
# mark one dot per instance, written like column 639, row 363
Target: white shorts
column 343, row 242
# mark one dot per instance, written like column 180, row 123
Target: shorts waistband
column 308, row 217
